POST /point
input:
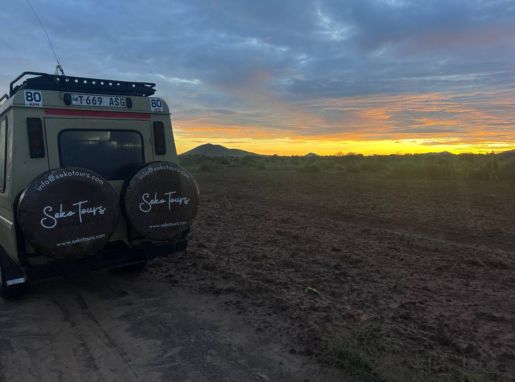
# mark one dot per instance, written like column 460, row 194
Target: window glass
column 3, row 150
column 113, row 154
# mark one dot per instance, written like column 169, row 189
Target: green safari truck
column 88, row 178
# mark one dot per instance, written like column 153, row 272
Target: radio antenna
column 59, row 67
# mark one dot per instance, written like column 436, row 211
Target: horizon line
column 351, row 153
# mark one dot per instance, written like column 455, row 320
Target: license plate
column 98, row 100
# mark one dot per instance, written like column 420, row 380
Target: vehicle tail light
column 159, row 138
column 36, row 138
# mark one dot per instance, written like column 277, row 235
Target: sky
column 290, row 77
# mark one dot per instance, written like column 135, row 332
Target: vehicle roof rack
column 45, row 81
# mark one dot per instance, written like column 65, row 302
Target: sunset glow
column 369, row 125
column 292, row 77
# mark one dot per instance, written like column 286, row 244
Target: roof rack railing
column 4, row 97
column 44, row 81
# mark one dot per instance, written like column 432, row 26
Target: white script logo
column 51, row 219
column 169, row 199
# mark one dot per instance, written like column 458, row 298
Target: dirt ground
column 388, row 279
column 289, row 275
column 108, row 328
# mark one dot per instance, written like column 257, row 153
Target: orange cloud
column 375, row 124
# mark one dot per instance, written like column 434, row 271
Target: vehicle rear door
column 114, row 148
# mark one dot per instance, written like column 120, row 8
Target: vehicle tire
column 68, row 212
column 10, row 292
column 133, row 269
column 160, row 201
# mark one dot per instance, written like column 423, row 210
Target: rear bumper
column 116, row 254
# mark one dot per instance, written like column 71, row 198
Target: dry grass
column 369, row 353
column 426, row 166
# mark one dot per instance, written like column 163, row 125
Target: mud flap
column 12, row 273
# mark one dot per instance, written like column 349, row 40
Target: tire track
column 85, row 352
column 108, row 339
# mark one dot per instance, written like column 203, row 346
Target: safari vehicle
column 88, row 178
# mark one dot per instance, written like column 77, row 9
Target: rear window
column 113, row 154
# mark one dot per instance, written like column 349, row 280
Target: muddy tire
column 68, row 212
column 160, row 201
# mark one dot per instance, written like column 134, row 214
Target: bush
column 310, row 169
column 206, row 167
column 405, row 170
column 425, row 166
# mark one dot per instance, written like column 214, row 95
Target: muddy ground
column 294, row 276
column 105, row 328
column 388, row 279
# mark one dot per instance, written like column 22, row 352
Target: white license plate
column 98, row 100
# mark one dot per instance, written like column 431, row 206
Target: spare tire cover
column 68, row 211
column 161, row 200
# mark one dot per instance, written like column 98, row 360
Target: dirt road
column 109, row 328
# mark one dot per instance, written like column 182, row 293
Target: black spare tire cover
column 68, row 211
column 161, row 200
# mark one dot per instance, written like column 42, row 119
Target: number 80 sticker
column 156, row 104
column 33, row 98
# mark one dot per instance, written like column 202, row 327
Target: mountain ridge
column 211, row 150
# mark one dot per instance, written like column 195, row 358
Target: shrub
column 310, row 169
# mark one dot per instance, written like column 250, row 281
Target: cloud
column 359, row 69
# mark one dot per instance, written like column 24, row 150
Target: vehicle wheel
column 133, row 269
column 68, row 212
column 10, row 292
column 160, row 201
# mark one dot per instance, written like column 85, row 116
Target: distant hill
column 437, row 154
column 311, row 155
column 508, row 153
column 210, row 150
